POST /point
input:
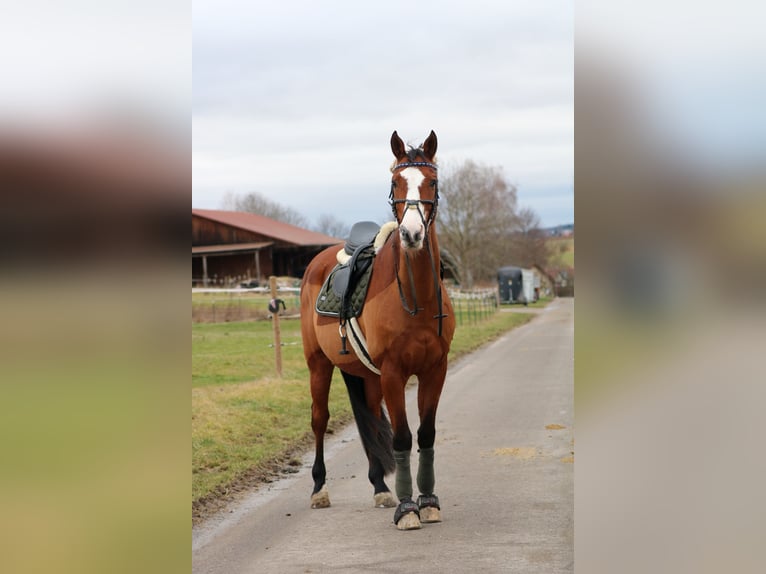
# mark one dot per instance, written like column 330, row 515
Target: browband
column 417, row 164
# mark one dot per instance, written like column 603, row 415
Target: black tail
column 376, row 433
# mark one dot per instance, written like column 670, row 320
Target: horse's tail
column 376, row 433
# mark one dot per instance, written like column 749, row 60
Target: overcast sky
column 297, row 99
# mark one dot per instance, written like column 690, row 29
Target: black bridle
column 414, row 203
column 410, row 204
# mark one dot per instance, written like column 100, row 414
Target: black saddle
column 362, row 233
column 339, row 296
column 358, row 246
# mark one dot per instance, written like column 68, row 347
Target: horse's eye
column 393, row 185
column 433, row 183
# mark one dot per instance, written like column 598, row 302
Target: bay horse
column 408, row 323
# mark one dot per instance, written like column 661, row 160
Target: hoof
column 409, row 521
column 430, row 514
column 407, row 515
column 430, row 511
column 321, row 499
column 384, row 500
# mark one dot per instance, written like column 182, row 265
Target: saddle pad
column 329, row 302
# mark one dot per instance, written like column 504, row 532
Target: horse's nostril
column 410, row 238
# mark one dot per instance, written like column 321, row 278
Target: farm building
column 229, row 247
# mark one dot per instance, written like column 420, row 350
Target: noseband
column 414, row 204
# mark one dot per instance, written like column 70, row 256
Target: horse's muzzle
column 411, row 240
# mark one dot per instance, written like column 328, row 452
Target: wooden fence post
column 275, row 323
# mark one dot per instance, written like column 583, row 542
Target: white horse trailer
column 528, row 285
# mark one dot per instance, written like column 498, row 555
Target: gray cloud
column 301, row 96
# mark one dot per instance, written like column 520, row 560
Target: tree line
column 480, row 222
column 255, row 202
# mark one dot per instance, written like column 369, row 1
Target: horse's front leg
column 429, row 390
column 407, row 515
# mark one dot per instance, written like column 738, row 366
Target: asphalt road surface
column 504, row 476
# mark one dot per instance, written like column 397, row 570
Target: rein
column 415, row 308
column 409, row 204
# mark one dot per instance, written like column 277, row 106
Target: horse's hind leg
column 383, row 497
column 374, row 396
column 375, row 432
column 321, row 376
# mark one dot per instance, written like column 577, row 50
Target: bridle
column 415, row 204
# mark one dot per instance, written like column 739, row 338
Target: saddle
column 345, row 289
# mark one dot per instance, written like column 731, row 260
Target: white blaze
column 412, row 219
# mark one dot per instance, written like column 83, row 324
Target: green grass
column 244, row 417
column 470, row 311
column 540, row 303
column 468, row 338
column 225, row 353
column 238, row 306
column 237, row 429
column 563, row 252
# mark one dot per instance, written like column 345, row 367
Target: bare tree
column 529, row 245
column 255, row 202
column 332, row 226
column 477, row 218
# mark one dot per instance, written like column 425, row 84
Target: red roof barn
column 232, row 246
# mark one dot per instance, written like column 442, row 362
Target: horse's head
column 414, row 189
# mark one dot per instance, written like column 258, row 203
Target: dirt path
column 504, row 472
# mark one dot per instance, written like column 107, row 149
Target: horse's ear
column 429, row 146
column 397, row 146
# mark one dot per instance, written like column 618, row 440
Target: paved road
column 505, row 480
